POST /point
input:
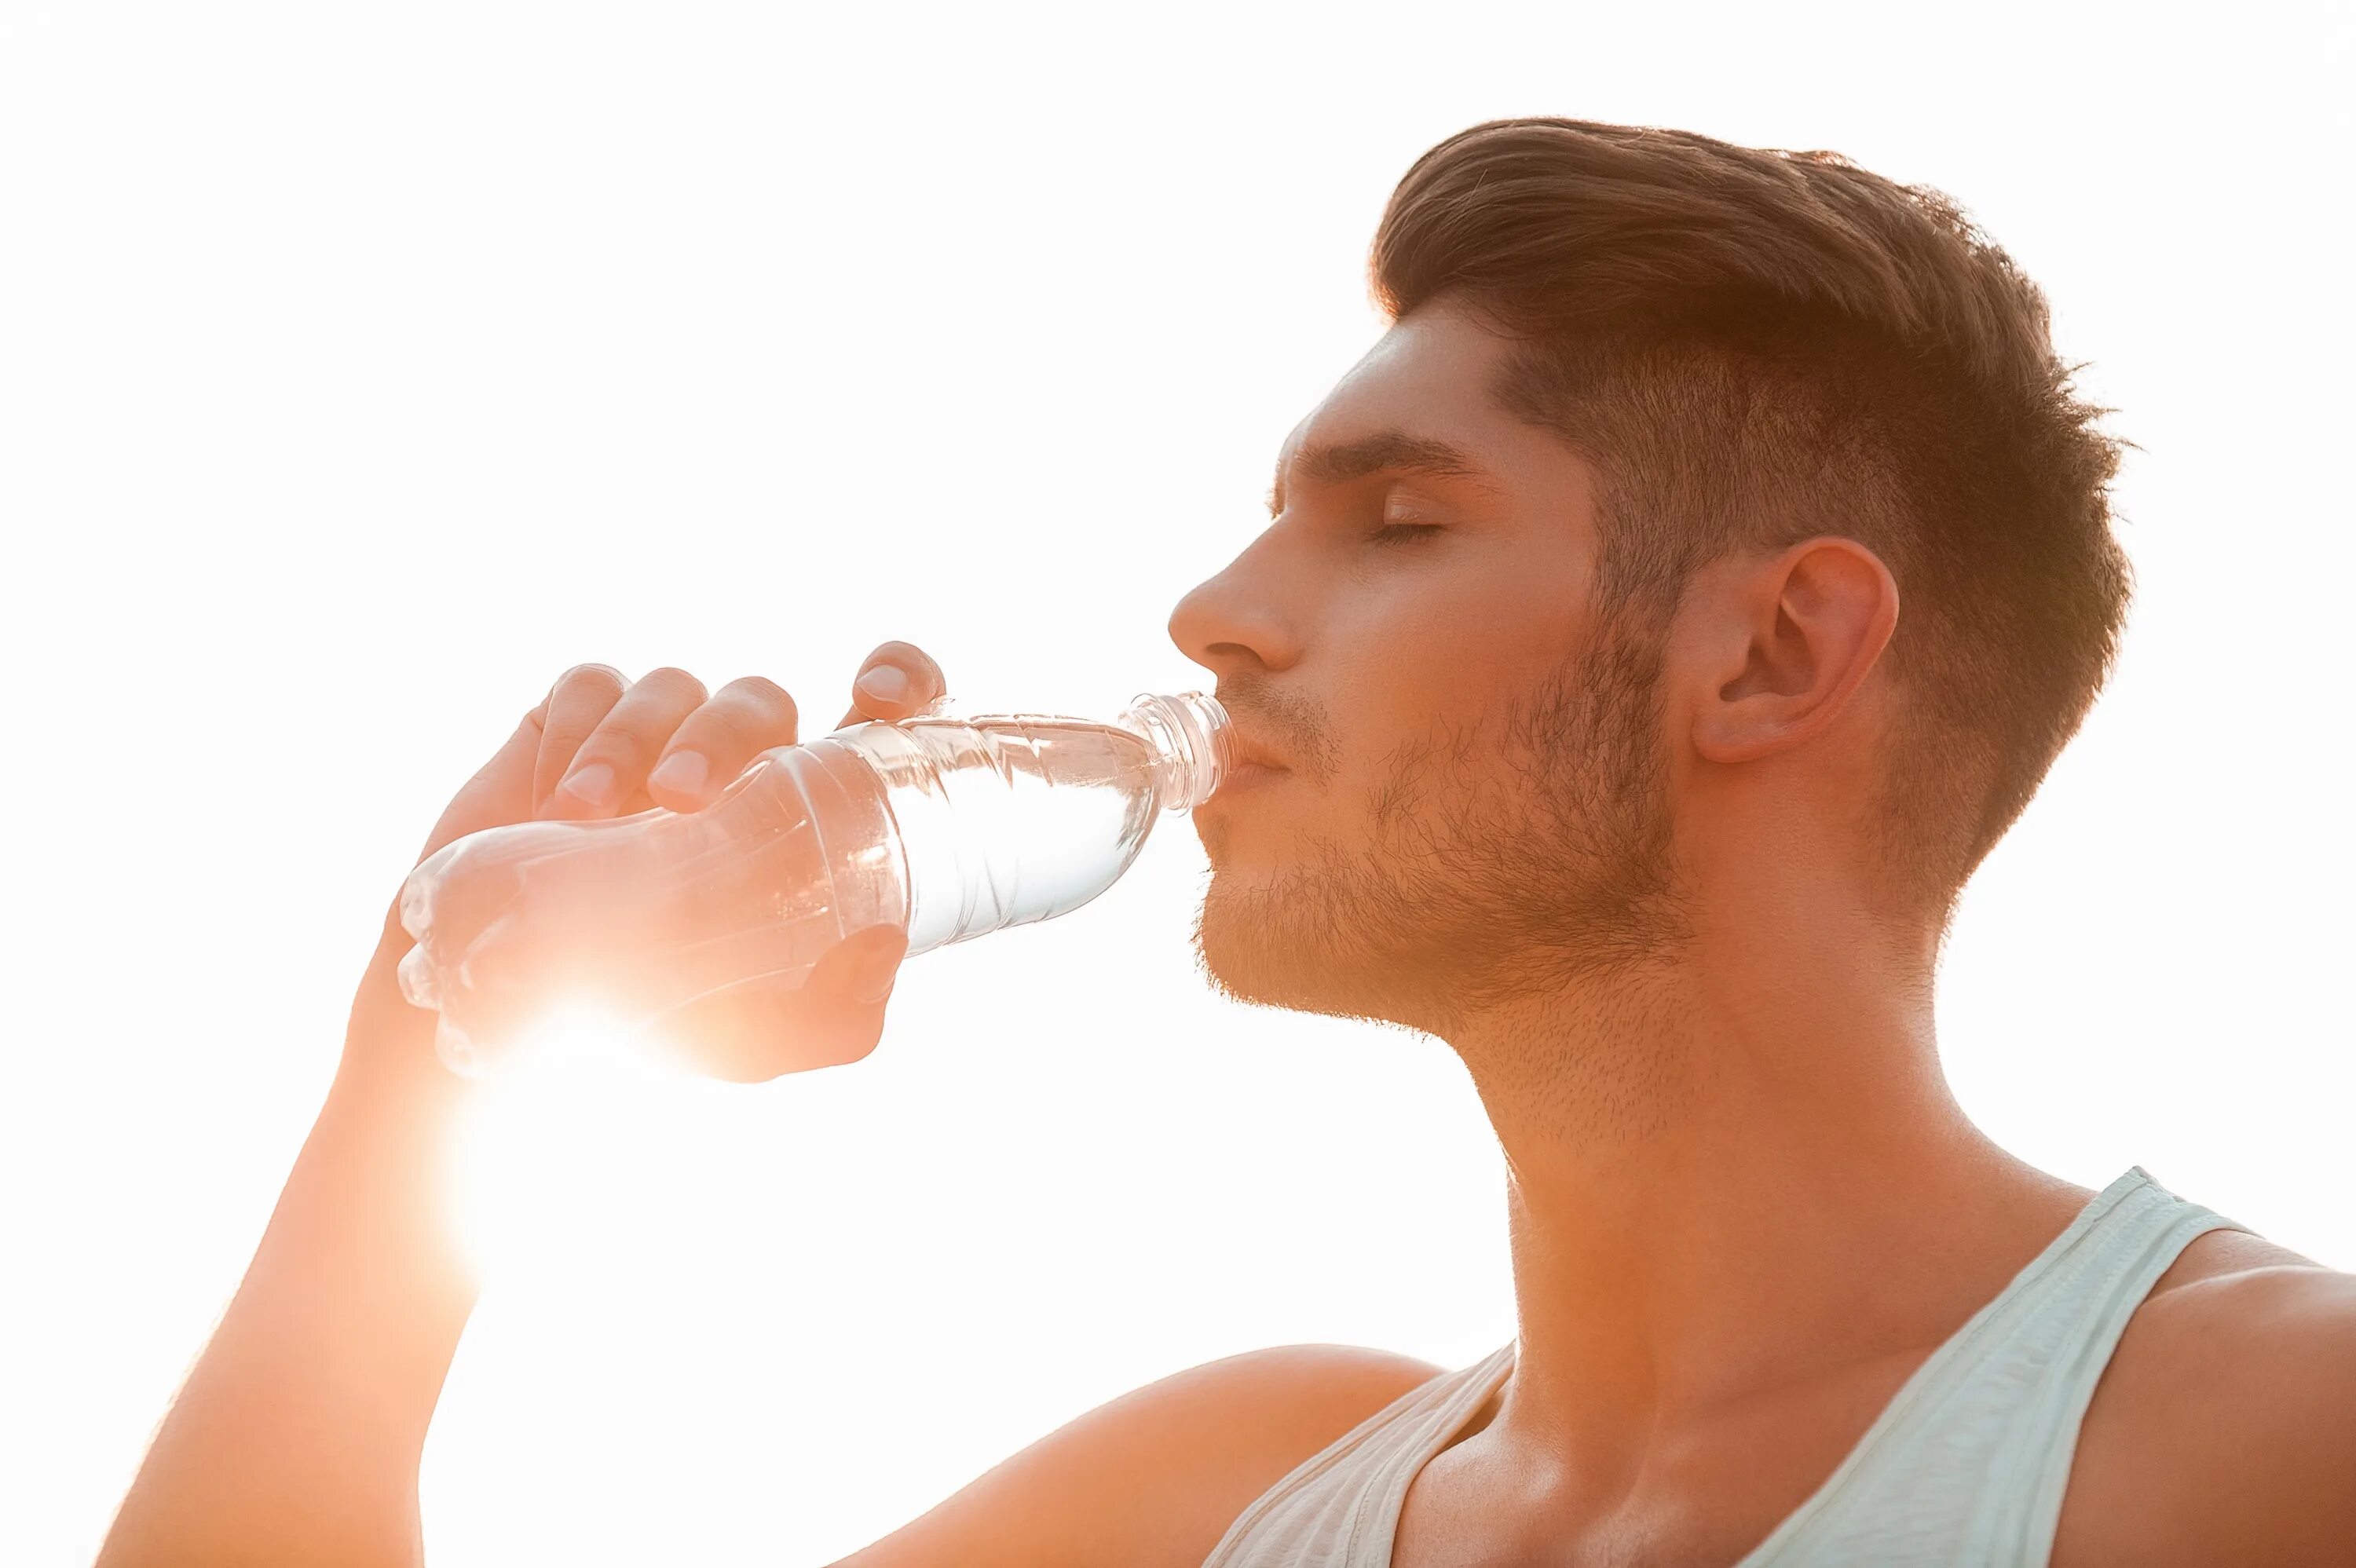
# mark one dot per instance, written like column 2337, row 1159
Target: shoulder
column 1244, row 1421
column 1157, row 1474
column 2224, row 1428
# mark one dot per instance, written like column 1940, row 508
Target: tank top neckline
column 1490, row 1374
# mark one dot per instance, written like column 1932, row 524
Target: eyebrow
column 1385, row 452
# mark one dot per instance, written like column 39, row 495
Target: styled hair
column 1753, row 348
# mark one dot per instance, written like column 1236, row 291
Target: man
column 1654, row 632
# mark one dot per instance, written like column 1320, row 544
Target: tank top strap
column 1968, row 1463
column 1340, row 1508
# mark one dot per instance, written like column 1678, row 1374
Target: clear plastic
column 946, row 827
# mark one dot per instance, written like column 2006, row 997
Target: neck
column 1734, row 1170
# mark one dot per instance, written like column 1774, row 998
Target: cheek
column 1427, row 659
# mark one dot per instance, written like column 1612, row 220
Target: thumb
column 752, row 1032
column 860, row 970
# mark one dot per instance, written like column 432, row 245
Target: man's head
column 1585, row 583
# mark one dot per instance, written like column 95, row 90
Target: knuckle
column 760, row 691
column 619, row 744
column 730, row 729
column 593, row 674
column 674, row 682
column 759, row 695
column 565, row 733
column 591, row 678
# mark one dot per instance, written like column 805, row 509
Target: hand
column 600, row 746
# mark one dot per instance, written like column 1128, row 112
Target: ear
column 1784, row 644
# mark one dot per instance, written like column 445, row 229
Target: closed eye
column 1402, row 533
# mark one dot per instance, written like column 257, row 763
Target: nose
column 1235, row 622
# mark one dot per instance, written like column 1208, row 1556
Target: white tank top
column 1963, row 1468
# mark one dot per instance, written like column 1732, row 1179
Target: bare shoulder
column 2224, row 1428
column 1155, row 1476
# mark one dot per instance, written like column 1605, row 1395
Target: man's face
column 1466, row 798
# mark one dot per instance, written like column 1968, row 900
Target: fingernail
column 877, row 987
column 592, row 785
column 885, row 683
column 681, row 771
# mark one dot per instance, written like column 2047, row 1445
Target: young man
column 1654, row 632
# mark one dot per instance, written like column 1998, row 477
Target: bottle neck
column 1192, row 739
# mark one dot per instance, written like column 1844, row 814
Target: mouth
column 1251, row 766
column 1249, row 773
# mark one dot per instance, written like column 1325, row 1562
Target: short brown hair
column 1753, row 348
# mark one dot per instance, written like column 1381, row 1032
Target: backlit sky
column 361, row 367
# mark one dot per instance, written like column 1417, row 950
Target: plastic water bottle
column 946, row 827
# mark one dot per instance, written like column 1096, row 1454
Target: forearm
column 298, row 1436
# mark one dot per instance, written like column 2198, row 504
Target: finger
column 716, row 743
column 611, row 765
column 576, row 704
column 751, row 1033
column 899, row 679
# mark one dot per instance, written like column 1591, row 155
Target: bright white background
column 360, row 367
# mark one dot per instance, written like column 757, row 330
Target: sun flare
column 556, row 1147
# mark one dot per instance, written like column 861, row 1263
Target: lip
column 1249, row 773
column 1245, row 750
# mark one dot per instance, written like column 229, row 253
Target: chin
column 1290, row 942
column 1233, row 951
column 1252, row 943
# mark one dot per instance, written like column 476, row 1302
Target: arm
column 296, row 1436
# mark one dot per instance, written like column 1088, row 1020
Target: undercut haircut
column 1753, row 348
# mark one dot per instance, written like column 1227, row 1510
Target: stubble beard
column 1523, row 855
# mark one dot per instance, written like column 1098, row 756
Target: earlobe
column 1799, row 633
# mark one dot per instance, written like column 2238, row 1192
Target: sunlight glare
column 565, row 1144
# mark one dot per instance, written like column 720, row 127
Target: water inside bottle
column 1009, row 820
